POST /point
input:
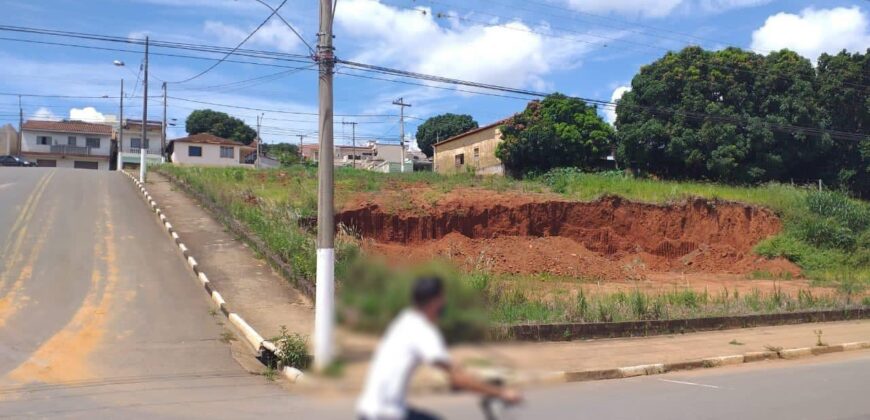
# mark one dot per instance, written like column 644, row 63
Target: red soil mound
column 611, row 238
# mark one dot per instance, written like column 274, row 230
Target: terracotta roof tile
column 68, row 127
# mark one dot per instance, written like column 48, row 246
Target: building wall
column 211, row 155
column 390, row 152
column 68, row 161
column 8, row 141
column 28, row 142
column 153, row 141
column 486, row 163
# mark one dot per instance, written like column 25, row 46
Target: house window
column 93, row 142
column 195, row 151
column 43, row 140
column 227, row 152
column 476, row 156
column 136, row 143
column 145, row 146
column 459, row 159
column 71, row 140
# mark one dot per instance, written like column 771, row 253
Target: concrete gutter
column 263, row 349
column 525, row 378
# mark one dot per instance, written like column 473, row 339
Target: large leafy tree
column 842, row 88
column 728, row 115
column 558, row 131
column 220, row 124
column 442, row 127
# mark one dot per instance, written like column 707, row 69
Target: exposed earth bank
column 609, row 239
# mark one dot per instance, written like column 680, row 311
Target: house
column 131, row 143
column 374, row 156
column 67, row 144
column 8, row 140
column 473, row 150
column 205, row 149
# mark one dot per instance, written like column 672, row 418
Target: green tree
column 442, row 127
column 557, row 132
column 725, row 115
column 219, row 124
column 843, row 93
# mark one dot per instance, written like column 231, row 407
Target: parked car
column 9, row 160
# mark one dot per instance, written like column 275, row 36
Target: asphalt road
column 100, row 318
column 98, row 309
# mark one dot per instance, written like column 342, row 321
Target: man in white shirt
column 411, row 339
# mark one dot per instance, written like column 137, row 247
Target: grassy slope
column 827, row 234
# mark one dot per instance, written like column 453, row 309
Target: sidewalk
column 266, row 301
column 249, row 285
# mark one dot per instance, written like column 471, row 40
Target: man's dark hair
column 426, row 289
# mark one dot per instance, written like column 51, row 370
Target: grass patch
column 826, row 233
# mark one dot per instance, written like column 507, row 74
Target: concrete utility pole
column 144, row 117
column 353, row 138
column 301, row 156
column 163, row 132
column 402, row 106
column 120, row 163
column 20, row 125
column 324, row 302
column 257, row 161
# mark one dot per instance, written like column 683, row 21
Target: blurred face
column 435, row 308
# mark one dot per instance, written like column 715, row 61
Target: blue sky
column 588, row 48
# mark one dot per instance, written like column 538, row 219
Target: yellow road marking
column 19, row 229
column 11, row 303
column 65, row 356
column 24, row 210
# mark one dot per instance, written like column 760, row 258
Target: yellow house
column 470, row 151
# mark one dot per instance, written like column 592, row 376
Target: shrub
column 292, row 349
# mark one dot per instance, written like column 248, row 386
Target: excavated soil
column 611, row 239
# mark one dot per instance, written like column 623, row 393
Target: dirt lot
column 612, row 243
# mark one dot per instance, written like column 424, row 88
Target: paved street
column 827, row 387
column 97, row 308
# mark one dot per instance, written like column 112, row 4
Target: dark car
column 9, row 160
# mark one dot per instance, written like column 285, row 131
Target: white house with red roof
column 205, row 149
column 67, row 144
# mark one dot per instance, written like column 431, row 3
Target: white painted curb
column 251, row 335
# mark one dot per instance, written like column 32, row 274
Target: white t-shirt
column 410, row 340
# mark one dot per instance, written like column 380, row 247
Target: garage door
column 46, row 163
column 81, row 164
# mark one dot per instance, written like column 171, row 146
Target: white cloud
column 645, row 8
column 88, row 114
column 511, row 53
column 610, row 113
column 273, row 34
column 659, row 8
column 44, row 113
column 814, row 31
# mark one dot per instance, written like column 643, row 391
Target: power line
column 274, row 11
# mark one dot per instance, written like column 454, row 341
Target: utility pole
column 144, row 116
column 120, row 163
column 20, row 124
column 163, row 133
column 402, row 106
column 301, row 156
column 324, row 302
column 257, row 161
column 353, row 137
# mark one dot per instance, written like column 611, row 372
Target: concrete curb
column 257, row 342
column 710, row 362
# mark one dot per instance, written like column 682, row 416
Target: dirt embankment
column 611, row 238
